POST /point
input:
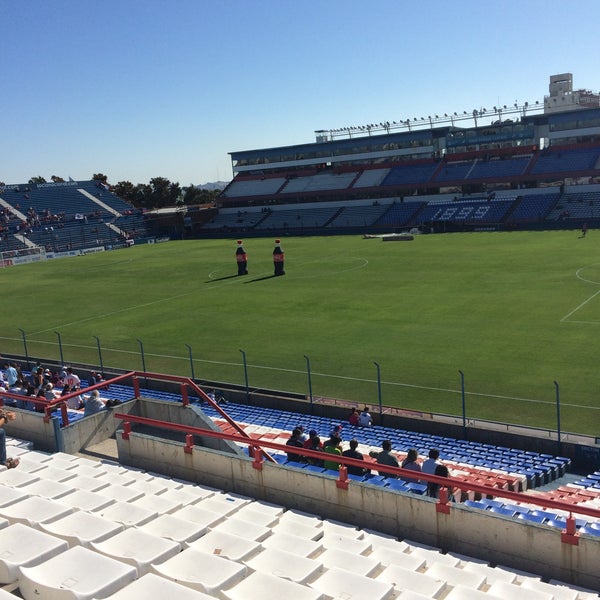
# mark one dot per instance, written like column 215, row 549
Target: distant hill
column 213, row 185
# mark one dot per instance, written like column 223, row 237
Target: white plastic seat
column 138, row 548
column 85, row 500
column 293, row 544
column 174, row 528
column 152, row 586
column 10, row 495
column 297, row 516
column 127, row 513
column 492, row 574
column 345, row 530
column 207, row 573
column 389, row 556
column 23, row 546
column 360, row 565
column 81, row 528
column 226, row 545
column 260, row 513
column 284, row 564
column 559, row 592
column 510, row 590
column 298, row 529
column 224, row 504
column 461, row 592
column 405, row 580
column 76, row 574
column 89, row 469
column 349, row 544
column 46, row 488
column 433, row 557
column 261, row 586
column 184, row 495
column 455, row 576
column 379, row 540
column 17, row 478
column 158, row 503
column 91, row 484
column 153, row 486
column 120, row 493
column 339, row 583
column 34, row 510
column 243, row 529
column 199, row 515
column 53, row 473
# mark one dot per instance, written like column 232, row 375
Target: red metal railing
column 256, row 448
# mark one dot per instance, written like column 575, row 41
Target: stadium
column 169, row 477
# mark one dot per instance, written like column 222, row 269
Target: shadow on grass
column 261, row 278
column 222, row 278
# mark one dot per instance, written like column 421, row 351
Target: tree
column 193, row 195
column 37, row 179
column 57, row 179
column 125, row 190
column 100, row 177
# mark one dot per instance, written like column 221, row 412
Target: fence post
column 246, row 376
column 558, row 433
column 142, row 353
column 191, row 361
column 310, row 394
column 62, row 360
column 25, row 346
column 100, row 355
column 379, row 392
column 464, row 404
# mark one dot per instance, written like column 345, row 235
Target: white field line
column 579, row 275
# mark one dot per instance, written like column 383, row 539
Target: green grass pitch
column 515, row 312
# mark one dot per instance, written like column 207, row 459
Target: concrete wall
column 494, row 538
column 93, row 429
column 30, row 426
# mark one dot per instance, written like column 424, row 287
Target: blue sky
column 142, row 88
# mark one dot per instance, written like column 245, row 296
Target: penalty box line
column 566, row 317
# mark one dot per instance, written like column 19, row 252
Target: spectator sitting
column 332, row 446
column 411, row 463
column 72, row 379
column 5, row 417
column 433, row 489
column 11, row 375
column 385, row 457
column 74, row 402
column 365, row 419
column 352, row 452
column 303, row 435
column 432, row 462
column 93, row 404
column 49, row 391
column 336, row 432
column 310, row 442
column 314, row 443
column 295, row 441
column 353, row 418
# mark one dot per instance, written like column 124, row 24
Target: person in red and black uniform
column 242, row 259
column 278, row 258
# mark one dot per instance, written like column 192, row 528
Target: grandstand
column 430, row 162
column 267, row 527
column 67, row 217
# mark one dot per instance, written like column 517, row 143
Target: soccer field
column 515, row 312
